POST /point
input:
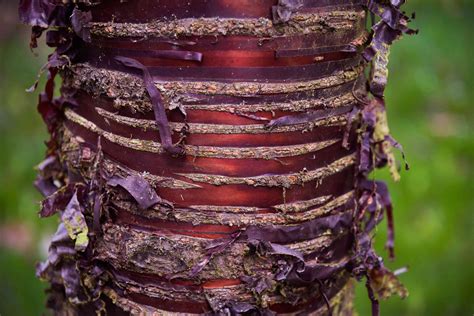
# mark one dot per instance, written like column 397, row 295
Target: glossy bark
column 210, row 157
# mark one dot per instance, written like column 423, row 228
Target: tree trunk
column 211, row 156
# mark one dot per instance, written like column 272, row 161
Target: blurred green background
column 429, row 105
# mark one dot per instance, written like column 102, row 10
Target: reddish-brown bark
column 210, row 157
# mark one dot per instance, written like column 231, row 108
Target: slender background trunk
column 212, row 156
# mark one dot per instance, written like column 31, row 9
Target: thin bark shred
column 158, row 108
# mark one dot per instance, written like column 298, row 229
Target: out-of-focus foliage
column 429, row 104
column 428, row 100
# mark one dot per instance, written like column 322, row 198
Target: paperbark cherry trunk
column 211, row 156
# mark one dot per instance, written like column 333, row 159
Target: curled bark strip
column 35, row 12
column 301, row 205
column 392, row 26
column 213, row 249
column 183, row 55
column 310, row 229
column 398, row 146
column 373, row 300
column 158, row 108
column 75, row 223
column 57, row 201
column 40, row 15
column 381, row 199
column 308, row 116
column 154, row 180
column 139, row 188
column 45, row 182
column 79, row 21
column 60, row 264
column 376, row 145
column 55, row 61
column 285, row 8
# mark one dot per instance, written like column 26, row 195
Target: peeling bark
column 211, row 157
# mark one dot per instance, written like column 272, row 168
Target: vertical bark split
column 211, row 157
